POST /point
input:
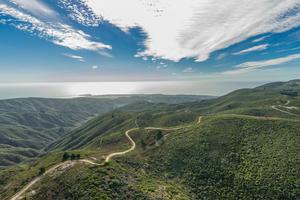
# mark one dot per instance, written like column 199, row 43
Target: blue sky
column 149, row 40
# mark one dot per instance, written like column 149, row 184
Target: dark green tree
column 73, row 156
column 42, row 171
column 66, row 156
column 159, row 135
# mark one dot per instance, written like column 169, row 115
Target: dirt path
column 133, row 145
column 66, row 163
column 19, row 194
column 173, row 129
column 199, row 119
column 163, row 129
column 107, row 159
column 63, row 164
column 278, row 108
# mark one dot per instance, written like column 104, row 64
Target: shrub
column 66, row 156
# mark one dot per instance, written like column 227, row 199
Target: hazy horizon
column 75, row 89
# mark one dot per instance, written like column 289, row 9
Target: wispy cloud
column 260, row 38
column 257, row 65
column 291, row 49
column 251, row 49
column 95, row 67
column 199, row 28
column 221, row 56
column 188, row 70
column 56, row 32
column 79, row 11
column 35, row 7
column 76, row 57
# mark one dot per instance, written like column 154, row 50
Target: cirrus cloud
column 76, row 57
column 56, row 32
column 251, row 49
column 194, row 29
column 257, row 65
column 188, row 70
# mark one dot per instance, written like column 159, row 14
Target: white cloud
column 251, row 49
column 260, row 39
column 56, row 32
column 291, row 49
column 252, row 66
column 76, row 57
column 179, row 29
column 188, row 70
column 221, row 56
column 95, row 67
column 80, row 12
column 35, row 7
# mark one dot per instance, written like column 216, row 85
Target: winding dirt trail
column 199, row 119
column 278, row 108
column 133, row 145
column 19, row 194
column 35, row 180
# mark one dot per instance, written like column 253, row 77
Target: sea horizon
column 79, row 89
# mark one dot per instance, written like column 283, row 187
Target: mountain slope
column 223, row 157
column 247, row 150
column 233, row 157
column 29, row 125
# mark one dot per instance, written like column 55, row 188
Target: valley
column 225, row 148
column 29, row 125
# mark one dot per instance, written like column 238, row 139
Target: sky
column 226, row 44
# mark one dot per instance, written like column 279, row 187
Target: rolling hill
column 29, row 125
column 245, row 146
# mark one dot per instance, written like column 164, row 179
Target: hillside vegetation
column 29, row 125
column 242, row 148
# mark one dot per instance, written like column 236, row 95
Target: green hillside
column 245, row 146
column 31, row 124
column 28, row 125
column 257, row 101
column 233, row 157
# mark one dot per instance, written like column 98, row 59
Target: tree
column 289, row 93
column 42, row 171
column 73, row 156
column 66, row 156
column 77, row 156
column 159, row 135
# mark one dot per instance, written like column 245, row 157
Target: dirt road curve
column 285, row 106
column 133, row 145
column 18, row 195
